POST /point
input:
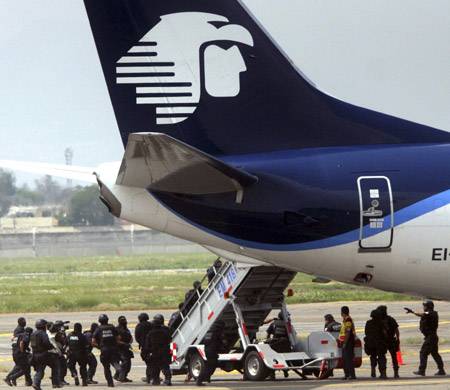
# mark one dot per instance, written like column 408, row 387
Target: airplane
column 229, row 145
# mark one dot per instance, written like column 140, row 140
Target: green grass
column 106, row 263
column 64, row 291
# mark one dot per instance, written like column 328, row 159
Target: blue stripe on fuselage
column 410, row 167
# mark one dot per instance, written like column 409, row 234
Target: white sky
column 392, row 56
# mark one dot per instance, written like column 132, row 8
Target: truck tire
column 197, row 366
column 254, row 367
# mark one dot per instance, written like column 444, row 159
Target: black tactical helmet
column 382, row 309
column 122, row 320
column 77, row 327
column 40, row 324
column 156, row 323
column 21, row 321
column 103, row 319
column 143, row 317
column 375, row 314
column 429, row 305
column 159, row 317
column 94, row 326
column 28, row 330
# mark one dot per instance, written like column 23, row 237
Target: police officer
column 157, row 348
column 175, row 319
column 429, row 321
column 393, row 337
column 106, row 338
column 78, row 351
column 91, row 359
column 140, row 335
column 21, row 352
column 347, row 338
column 215, row 339
column 375, row 343
column 20, row 328
column 125, row 349
column 211, row 271
column 279, row 331
column 40, row 344
column 331, row 325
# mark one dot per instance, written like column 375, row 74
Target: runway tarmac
column 306, row 318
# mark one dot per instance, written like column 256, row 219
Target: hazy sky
column 392, row 56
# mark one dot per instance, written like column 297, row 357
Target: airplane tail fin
column 209, row 75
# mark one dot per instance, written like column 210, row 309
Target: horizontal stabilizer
column 162, row 163
column 65, row 171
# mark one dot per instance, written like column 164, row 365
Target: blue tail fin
column 206, row 73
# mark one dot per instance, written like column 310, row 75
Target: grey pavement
column 306, row 318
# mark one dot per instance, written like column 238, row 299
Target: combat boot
column 373, row 373
column 396, row 372
column 440, row 372
column 7, row 381
column 383, row 374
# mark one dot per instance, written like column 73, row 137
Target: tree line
column 78, row 205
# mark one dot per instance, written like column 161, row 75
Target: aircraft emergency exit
column 228, row 144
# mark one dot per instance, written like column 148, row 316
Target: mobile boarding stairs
column 243, row 296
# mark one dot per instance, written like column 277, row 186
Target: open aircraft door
column 377, row 212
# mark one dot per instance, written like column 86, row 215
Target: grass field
column 102, row 283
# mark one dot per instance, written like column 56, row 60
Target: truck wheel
column 197, row 366
column 254, row 367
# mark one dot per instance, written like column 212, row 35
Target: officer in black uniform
column 40, row 344
column 375, row 343
column 331, row 325
column 211, row 271
column 214, row 340
column 279, row 331
column 125, row 349
column 21, row 352
column 157, row 348
column 106, row 338
column 429, row 321
column 175, row 319
column 91, row 359
column 20, row 328
column 140, row 335
column 393, row 337
column 77, row 353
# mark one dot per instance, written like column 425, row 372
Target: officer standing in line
column 331, row 325
column 125, row 349
column 375, row 343
column 347, row 337
column 21, row 352
column 20, row 328
column 157, row 348
column 393, row 337
column 214, row 341
column 77, row 353
column 140, row 335
column 54, row 353
column 91, row 359
column 40, row 344
column 106, row 338
column 429, row 322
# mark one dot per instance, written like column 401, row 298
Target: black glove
column 408, row 310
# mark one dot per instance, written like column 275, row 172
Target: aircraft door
column 377, row 212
